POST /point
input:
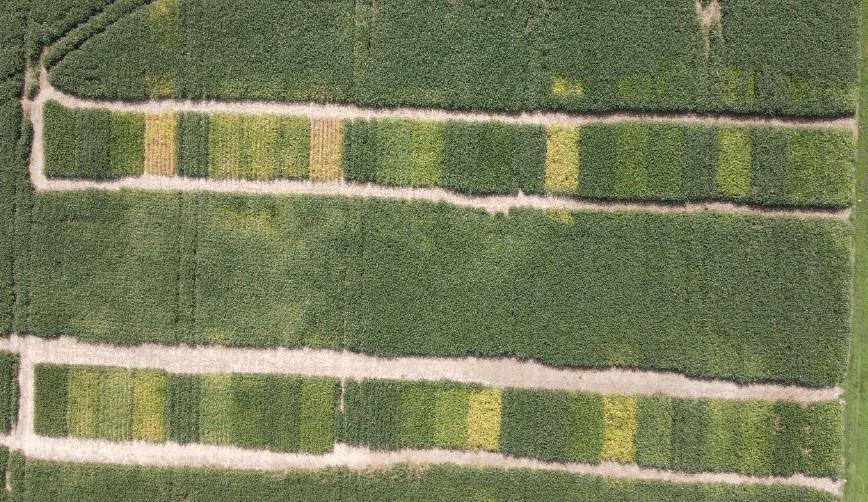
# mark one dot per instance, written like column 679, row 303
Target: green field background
column 49, row 481
column 109, row 230
column 506, row 55
column 632, row 289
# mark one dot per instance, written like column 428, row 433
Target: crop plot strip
column 136, row 413
column 359, row 458
column 469, row 160
column 139, row 415
column 754, row 437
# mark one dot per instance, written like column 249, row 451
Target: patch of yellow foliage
column 619, row 428
column 483, row 419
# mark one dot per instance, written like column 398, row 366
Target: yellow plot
column 160, row 144
column 566, row 88
column 326, row 149
column 149, row 406
column 483, row 419
column 619, row 428
column 734, row 162
column 562, row 159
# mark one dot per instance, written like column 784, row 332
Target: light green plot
column 83, row 402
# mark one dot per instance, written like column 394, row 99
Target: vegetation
column 711, row 295
column 14, row 188
column 8, row 390
column 626, row 161
column 642, row 290
column 47, row 481
column 92, row 143
column 751, row 437
column 856, row 388
column 519, row 54
column 251, row 411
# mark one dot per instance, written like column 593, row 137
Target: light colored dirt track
column 198, row 455
column 493, row 204
column 336, row 111
column 489, row 371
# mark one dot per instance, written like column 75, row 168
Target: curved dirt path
column 348, row 111
column 492, row 372
column 356, row 458
column 492, row 204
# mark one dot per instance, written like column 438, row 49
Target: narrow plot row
column 297, row 414
column 8, row 390
column 624, row 161
column 50, row 481
column 251, row 411
column 750, row 437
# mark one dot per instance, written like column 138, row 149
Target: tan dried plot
column 326, row 149
column 160, row 144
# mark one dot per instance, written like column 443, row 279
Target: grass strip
column 285, row 413
column 371, row 414
column 9, row 390
column 536, row 424
column 126, row 145
column 215, row 422
column 192, row 144
column 83, row 402
column 653, row 435
column 319, row 400
column 417, row 415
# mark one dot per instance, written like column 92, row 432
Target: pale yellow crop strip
column 149, row 391
column 562, row 159
column 734, row 162
column 160, row 144
column 326, row 148
column 619, row 428
column 484, row 414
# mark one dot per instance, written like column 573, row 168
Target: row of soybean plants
column 8, row 391
column 505, row 55
column 626, row 161
column 286, row 413
column 43, row 480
